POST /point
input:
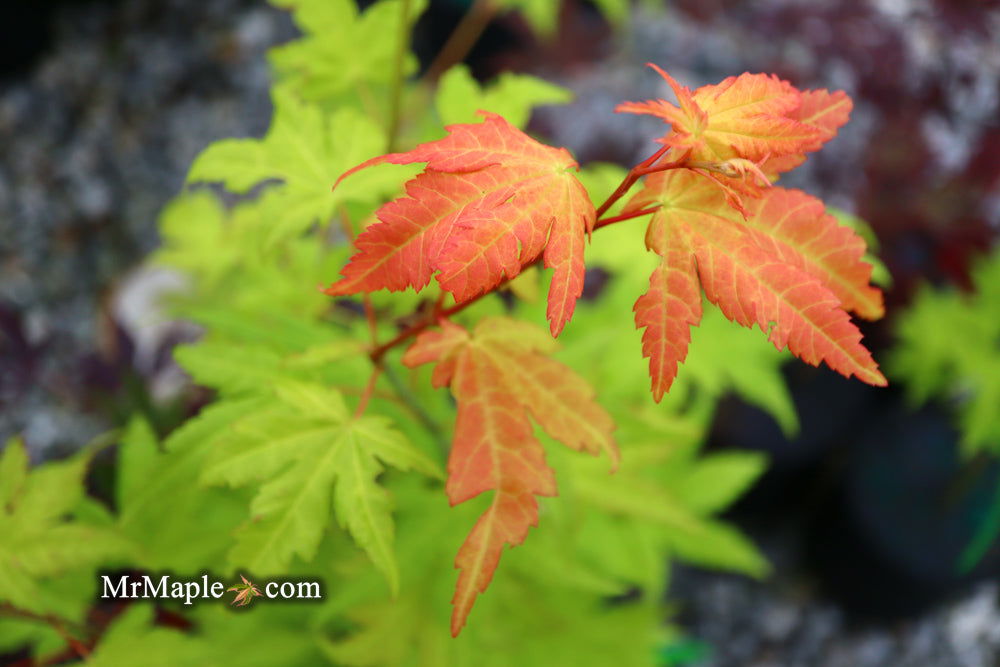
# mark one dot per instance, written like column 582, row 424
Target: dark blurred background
column 103, row 104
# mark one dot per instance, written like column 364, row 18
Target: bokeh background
column 865, row 513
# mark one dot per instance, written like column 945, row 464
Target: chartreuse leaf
column 41, row 540
column 304, row 338
column 306, row 149
column 344, row 51
column 714, row 481
column 236, row 273
column 235, row 368
column 175, row 524
column 279, row 632
column 653, row 504
column 459, row 96
column 751, row 367
column 958, row 363
column 314, row 456
column 133, row 634
column 718, row 545
column 243, row 369
column 197, row 239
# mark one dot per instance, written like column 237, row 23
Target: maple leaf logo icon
column 245, row 592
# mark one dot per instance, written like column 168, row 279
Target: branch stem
column 647, row 166
column 366, row 395
column 604, row 222
column 54, row 622
column 379, row 350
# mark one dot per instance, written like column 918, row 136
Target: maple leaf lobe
column 758, row 117
column 788, row 269
column 490, row 201
column 499, row 376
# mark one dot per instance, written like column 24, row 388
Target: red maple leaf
column 789, row 268
column 491, row 201
column 756, row 117
column 746, row 130
column 499, row 375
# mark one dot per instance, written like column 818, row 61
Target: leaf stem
column 366, row 395
column 604, row 222
column 54, row 622
column 379, row 350
column 647, row 166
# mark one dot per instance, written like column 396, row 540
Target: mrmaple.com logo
column 169, row 587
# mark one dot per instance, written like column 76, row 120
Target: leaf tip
column 875, row 378
column 459, row 614
column 364, row 165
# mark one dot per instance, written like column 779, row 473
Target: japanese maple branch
column 366, row 395
column 379, row 351
column 604, row 222
column 647, row 166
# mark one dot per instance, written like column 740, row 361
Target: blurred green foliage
column 949, row 351
column 957, row 362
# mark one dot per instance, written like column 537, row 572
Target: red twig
column 647, row 166
column 604, row 222
column 379, row 350
column 366, row 395
column 78, row 647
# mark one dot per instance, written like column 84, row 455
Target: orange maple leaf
column 789, row 268
column 491, row 200
column 499, row 376
column 756, row 117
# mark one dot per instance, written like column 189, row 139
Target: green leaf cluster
column 52, row 539
column 958, row 364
